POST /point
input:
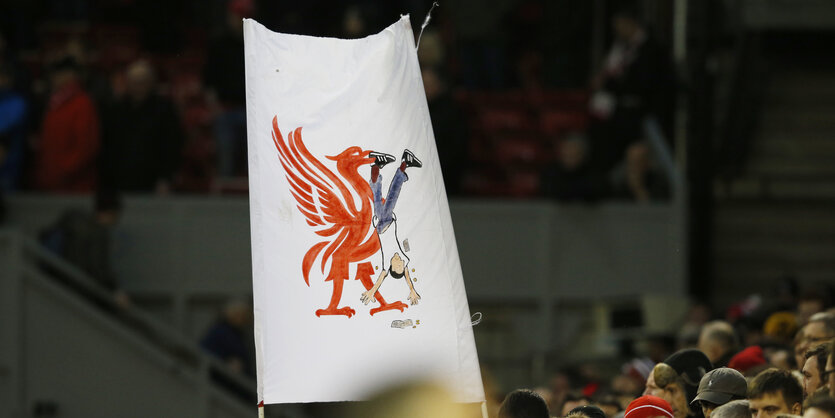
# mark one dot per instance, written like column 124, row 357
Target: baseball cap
column 721, row 385
column 648, row 406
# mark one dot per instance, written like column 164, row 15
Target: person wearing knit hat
column 718, row 387
column 676, row 380
column 749, row 361
column 648, row 406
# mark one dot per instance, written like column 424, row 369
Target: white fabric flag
column 356, row 278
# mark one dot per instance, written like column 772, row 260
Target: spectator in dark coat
column 142, row 137
column 225, row 339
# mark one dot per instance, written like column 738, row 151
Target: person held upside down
column 394, row 260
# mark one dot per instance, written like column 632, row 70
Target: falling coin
column 418, row 321
column 413, row 270
column 415, row 279
column 376, row 267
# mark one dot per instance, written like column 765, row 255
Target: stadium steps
column 778, row 217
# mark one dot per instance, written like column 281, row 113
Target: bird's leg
column 332, row 308
column 364, row 272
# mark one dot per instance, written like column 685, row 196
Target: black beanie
column 691, row 365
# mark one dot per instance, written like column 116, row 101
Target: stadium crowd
column 761, row 360
column 98, row 94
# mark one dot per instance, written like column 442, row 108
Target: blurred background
column 619, row 174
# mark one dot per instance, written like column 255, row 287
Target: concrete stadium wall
column 184, row 255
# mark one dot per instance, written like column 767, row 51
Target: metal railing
column 174, row 352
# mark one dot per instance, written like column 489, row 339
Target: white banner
column 356, row 279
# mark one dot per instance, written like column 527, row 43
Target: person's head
column 814, row 368
column 773, row 392
column 107, row 205
column 676, row 380
column 781, row 358
column 626, row 22
column 780, row 327
column 523, row 403
column 237, row 313
column 719, row 387
column 820, row 406
column 586, row 411
column 811, row 302
column 573, row 152
column 63, row 72
column 749, row 362
column 140, row 80
column 648, row 406
column 609, row 404
column 717, row 339
column 733, row 409
column 821, row 328
column 236, row 11
column 572, row 400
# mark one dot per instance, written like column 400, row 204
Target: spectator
column 225, row 338
column 83, row 239
column 814, row 368
column 523, row 403
column 733, row 409
column 586, row 411
column 573, row 400
column 719, row 342
column 224, row 77
column 609, row 404
column 676, row 381
column 450, row 132
column 811, row 302
column 66, row 153
column 780, row 327
column 774, row 392
column 635, row 81
column 141, row 137
column 648, row 406
column 820, row 328
column 571, row 177
column 636, row 178
column 820, row 407
column 749, row 362
column 12, row 130
column 718, row 387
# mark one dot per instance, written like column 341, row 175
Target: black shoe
column 410, row 159
column 381, row 159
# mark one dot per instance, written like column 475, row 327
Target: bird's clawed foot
column 347, row 311
column 389, row 306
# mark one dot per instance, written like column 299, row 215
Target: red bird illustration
column 343, row 219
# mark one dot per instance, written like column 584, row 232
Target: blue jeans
column 385, row 212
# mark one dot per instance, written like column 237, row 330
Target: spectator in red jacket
column 65, row 156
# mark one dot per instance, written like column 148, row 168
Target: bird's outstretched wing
column 317, row 191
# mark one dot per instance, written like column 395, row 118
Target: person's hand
column 368, row 297
column 414, row 297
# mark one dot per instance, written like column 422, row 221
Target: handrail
column 175, row 344
column 661, row 149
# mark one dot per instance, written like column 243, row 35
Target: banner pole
column 484, row 409
column 261, row 409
